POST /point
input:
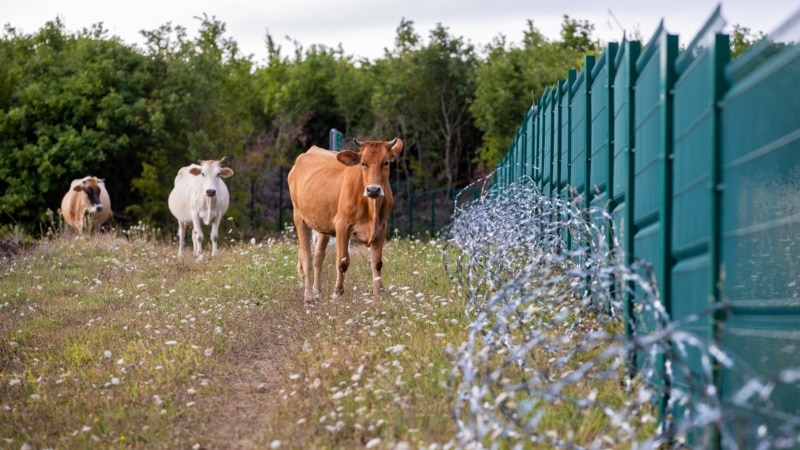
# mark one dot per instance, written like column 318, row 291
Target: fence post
column 720, row 56
column 628, row 65
column 668, row 55
column 611, row 57
column 588, row 65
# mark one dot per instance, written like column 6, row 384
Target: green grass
column 114, row 342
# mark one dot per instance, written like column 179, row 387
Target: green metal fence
column 698, row 160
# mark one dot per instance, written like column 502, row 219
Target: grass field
column 114, row 342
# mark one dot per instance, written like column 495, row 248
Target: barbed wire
column 547, row 287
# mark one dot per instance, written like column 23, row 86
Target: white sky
column 366, row 27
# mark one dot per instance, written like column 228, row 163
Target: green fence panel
column 547, row 141
column 695, row 154
column 529, row 159
column 538, row 153
column 652, row 172
column 579, row 130
column 565, row 129
column 761, row 219
column 602, row 109
column 622, row 186
column 558, row 111
column 696, row 149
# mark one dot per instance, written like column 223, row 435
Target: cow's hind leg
column 319, row 258
column 304, row 254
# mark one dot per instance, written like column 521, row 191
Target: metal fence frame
column 652, row 135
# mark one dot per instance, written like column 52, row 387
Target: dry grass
column 114, row 342
column 109, row 341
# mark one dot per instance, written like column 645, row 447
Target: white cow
column 200, row 197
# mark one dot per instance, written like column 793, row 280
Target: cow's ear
column 195, row 170
column 396, row 148
column 226, row 172
column 348, row 157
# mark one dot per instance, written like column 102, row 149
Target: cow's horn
column 358, row 143
column 222, row 159
column 392, row 142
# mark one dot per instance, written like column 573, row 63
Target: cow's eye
column 386, row 164
column 363, row 164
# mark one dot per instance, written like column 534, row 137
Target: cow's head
column 211, row 171
column 91, row 187
column 374, row 157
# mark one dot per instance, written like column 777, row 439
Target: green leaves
column 69, row 110
column 514, row 77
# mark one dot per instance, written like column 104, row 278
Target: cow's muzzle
column 211, row 192
column 373, row 191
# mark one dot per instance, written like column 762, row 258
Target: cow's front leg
column 376, row 261
column 197, row 237
column 215, row 235
column 319, row 258
column 181, row 236
column 342, row 258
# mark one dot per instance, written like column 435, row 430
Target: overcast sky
column 366, row 27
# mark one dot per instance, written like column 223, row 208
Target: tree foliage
column 513, row 77
column 743, row 38
column 86, row 103
column 73, row 105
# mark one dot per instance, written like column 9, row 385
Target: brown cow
column 343, row 194
column 86, row 196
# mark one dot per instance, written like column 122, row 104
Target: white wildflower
column 396, row 349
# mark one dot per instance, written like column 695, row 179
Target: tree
column 513, row 77
column 424, row 97
column 202, row 107
column 72, row 106
column 742, row 38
